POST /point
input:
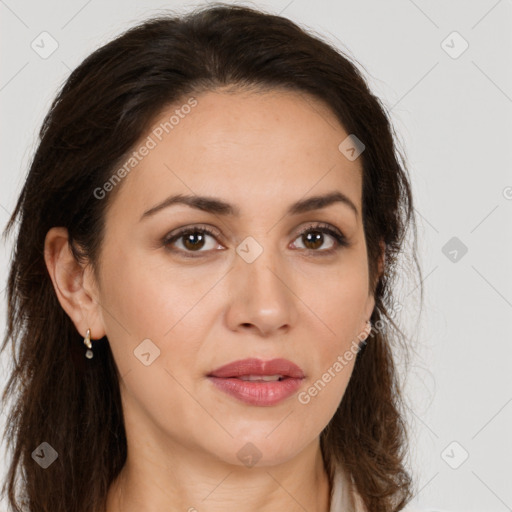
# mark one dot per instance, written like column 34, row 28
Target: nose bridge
column 260, row 281
column 262, row 263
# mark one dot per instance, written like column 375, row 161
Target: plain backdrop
column 444, row 71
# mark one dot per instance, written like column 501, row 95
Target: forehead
column 251, row 148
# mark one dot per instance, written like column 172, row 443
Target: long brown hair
column 102, row 110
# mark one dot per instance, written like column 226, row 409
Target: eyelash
column 339, row 238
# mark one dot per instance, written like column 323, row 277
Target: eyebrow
column 219, row 207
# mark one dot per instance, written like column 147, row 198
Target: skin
column 261, row 152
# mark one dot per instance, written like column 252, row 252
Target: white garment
column 344, row 497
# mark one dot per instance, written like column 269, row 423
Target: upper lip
column 253, row 366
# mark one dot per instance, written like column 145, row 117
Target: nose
column 261, row 295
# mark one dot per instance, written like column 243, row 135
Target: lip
column 261, row 393
column 254, row 366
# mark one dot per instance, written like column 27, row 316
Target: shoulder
column 345, row 497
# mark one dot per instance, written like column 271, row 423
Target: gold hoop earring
column 87, row 343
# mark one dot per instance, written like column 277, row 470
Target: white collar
column 343, row 497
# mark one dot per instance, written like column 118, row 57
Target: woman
column 200, row 295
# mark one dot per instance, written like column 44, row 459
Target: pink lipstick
column 257, row 382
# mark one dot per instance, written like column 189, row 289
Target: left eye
column 315, row 234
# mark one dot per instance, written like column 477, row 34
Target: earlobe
column 370, row 307
column 67, row 276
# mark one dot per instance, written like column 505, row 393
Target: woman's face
column 256, row 288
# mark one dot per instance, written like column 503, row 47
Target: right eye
column 194, row 239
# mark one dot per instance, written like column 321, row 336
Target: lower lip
column 258, row 392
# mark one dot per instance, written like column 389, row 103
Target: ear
column 75, row 285
column 370, row 303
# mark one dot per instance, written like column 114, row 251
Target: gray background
column 452, row 113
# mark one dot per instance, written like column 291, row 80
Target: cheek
column 149, row 309
column 337, row 324
column 152, row 327
column 337, row 300
column 150, row 299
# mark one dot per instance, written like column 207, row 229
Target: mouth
column 257, row 382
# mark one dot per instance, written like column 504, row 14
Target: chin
column 264, row 449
